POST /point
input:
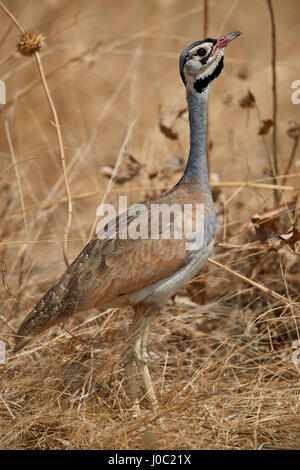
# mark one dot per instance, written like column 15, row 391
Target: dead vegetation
column 223, row 353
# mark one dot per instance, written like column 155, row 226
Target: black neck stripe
column 202, row 83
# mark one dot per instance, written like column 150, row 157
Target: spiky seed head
column 30, row 42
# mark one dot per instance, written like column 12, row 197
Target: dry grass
column 221, row 351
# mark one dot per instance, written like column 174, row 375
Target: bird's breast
column 159, row 292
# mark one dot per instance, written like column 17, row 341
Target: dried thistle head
column 30, row 42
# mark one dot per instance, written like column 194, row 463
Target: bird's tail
column 53, row 307
column 30, row 327
column 71, row 293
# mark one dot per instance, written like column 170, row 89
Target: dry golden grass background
column 221, row 352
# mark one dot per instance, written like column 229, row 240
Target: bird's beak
column 224, row 40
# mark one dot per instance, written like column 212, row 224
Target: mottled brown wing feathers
column 104, row 270
column 107, row 269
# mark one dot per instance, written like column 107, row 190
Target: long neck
column 196, row 168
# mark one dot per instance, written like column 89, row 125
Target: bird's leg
column 131, row 373
column 136, row 350
column 141, row 359
column 132, row 388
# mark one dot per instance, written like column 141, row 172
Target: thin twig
column 250, row 281
column 12, row 17
column 164, row 373
column 205, row 19
column 291, row 160
column 16, row 168
column 229, row 184
column 270, row 158
column 249, row 184
column 62, row 155
column 115, row 171
column 274, row 94
column 7, row 407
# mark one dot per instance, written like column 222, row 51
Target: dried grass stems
column 29, row 44
column 223, row 352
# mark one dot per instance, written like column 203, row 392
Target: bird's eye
column 201, row 52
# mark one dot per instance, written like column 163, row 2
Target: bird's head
column 202, row 61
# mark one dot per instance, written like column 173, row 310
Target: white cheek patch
column 194, row 70
column 211, row 64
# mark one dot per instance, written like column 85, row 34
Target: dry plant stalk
column 30, row 44
column 251, row 282
column 274, row 95
column 225, row 184
column 294, row 133
column 115, row 171
column 17, row 173
column 205, row 18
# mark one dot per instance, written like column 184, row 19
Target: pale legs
column 136, row 352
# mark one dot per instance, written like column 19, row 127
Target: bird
column 145, row 272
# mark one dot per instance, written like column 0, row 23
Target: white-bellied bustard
column 145, row 272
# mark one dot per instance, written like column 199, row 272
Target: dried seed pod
column 265, row 126
column 294, row 130
column 267, row 231
column 129, row 168
column 30, row 42
column 248, row 101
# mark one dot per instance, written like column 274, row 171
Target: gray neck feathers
column 196, row 167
